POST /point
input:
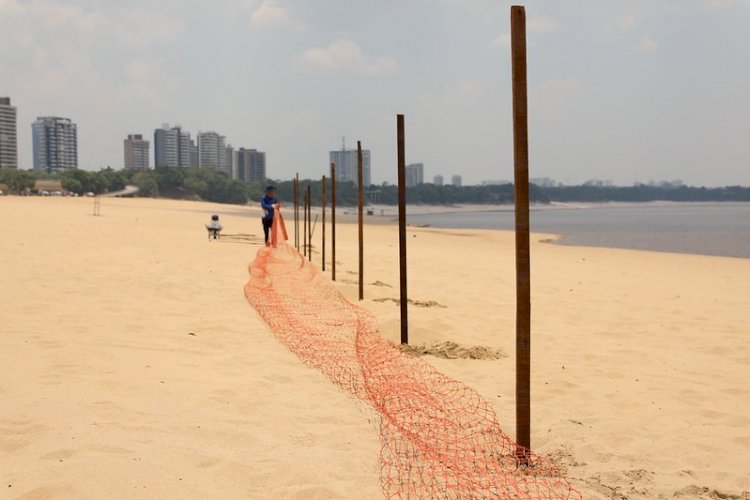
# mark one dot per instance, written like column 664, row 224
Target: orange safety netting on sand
column 439, row 437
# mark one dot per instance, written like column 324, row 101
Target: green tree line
column 211, row 185
column 172, row 182
column 80, row 181
column 193, row 183
column 16, row 180
column 387, row 194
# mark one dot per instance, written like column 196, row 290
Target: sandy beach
column 132, row 365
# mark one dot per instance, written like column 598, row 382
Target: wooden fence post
column 323, row 215
column 523, row 265
column 333, row 221
column 401, row 146
column 296, row 212
column 360, row 194
column 304, row 223
column 309, row 224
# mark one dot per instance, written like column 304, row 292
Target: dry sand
column 131, row 365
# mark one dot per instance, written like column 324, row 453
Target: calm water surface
column 698, row 228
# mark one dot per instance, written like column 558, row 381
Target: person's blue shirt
column 267, row 203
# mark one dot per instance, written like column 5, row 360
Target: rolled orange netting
column 278, row 228
column 439, row 438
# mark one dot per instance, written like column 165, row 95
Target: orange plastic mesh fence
column 439, row 437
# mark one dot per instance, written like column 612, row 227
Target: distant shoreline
column 416, row 210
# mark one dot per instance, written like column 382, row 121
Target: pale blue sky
column 623, row 90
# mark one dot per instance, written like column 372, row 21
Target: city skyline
column 251, row 167
column 621, row 91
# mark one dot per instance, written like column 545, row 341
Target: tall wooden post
column 309, row 224
column 294, row 209
column 304, row 224
column 296, row 212
column 401, row 146
column 323, row 215
column 333, row 221
column 360, row 194
column 523, row 272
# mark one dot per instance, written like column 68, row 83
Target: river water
column 698, row 228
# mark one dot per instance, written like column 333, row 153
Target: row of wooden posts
column 303, row 239
column 521, row 179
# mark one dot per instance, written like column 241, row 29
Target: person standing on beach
column 268, row 203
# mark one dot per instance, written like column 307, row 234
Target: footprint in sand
column 49, row 491
column 417, row 303
column 58, row 455
column 694, row 491
column 16, row 434
column 380, row 283
column 452, row 350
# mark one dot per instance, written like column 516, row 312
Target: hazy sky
column 622, row 90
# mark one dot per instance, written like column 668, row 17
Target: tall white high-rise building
column 55, row 141
column 171, row 147
column 227, row 161
column 347, row 166
column 214, row 153
column 414, row 174
column 8, row 134
column 456, row 180
column 136, row 152
column 438, row 180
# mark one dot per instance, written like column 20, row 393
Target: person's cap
column 270, row 188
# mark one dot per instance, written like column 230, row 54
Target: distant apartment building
column 213, row 152
column 193, row 154
column 414, row 174
column 347, row 166
column 8, row 134
column 171, row 147
column 55, row 142
column 598, row 183
column 456, row 180
column 544, row 182
column 676, row 183
column 251, row 165
column 438, row 180
column 137, row 152
column 227, row 165
column 494, row 182
column 210, row 149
